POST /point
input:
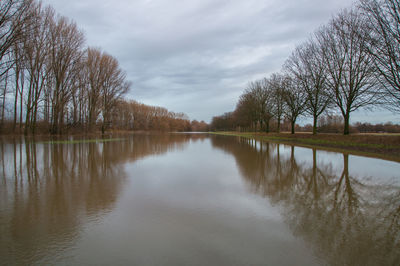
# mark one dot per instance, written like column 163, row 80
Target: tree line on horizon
column 132, row 115
column 50, row 82
column 352, row 62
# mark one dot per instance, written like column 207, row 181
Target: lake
column 194, row 199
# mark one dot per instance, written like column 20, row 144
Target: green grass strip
column 309, row 141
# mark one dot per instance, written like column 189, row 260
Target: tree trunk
column 279, row 125
column 28, row 111
column 346, row 130
column 21, row 106
column 54, row 122
column 34, row 119
column 61, row 119
column 314, row 130
column 27, row 120
column 2, row 109
column 293, row 123
column 4, row 99
column 16, row 100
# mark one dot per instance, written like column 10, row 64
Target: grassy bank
column 385, row 146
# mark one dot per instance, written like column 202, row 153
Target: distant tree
column 255, row 106
column 263, row 95
column 268, row 100
column 223, row 122
column 245, row 114
column 132, row 115
column 295, row 99
column 331, row 123
column 277, row 84
column 197, row 126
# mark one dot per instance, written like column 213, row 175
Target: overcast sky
column 197, row 56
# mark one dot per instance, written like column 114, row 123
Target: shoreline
column 382, row 146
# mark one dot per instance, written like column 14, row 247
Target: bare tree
column 52, row 77
column 255, row 106
column 276, row 83
column 259, row 98
column 308, row 67
column 351, row 71
column 13, row 17
column 267, row 98
column 95, row 81
column 106, row 83
column 18, row 76
column 65, row 56
column 295, row 99
column 384, row 45
column 245, row 113
column 35, row 53
column 114, row 86
column 79, row 97
column 4, row 85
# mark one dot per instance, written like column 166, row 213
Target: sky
column 197, row 56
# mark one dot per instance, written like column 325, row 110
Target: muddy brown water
column 194, row 199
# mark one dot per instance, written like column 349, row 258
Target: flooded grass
column 386, row 146
column 75, row 141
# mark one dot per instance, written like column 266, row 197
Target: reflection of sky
column 191, row 178
column 380, row 170
column 191, row 207
column 359, row 166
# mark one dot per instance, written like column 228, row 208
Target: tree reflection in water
column 50, row 191
column 348, row 220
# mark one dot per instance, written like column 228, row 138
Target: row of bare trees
column 48, row 78
column 132, row 115
column 350, row 63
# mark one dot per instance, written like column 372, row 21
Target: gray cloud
column 196, row 56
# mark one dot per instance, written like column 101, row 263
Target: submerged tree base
column 74, row 141
column 386, row 146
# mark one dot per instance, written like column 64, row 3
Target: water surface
column 195, row 199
